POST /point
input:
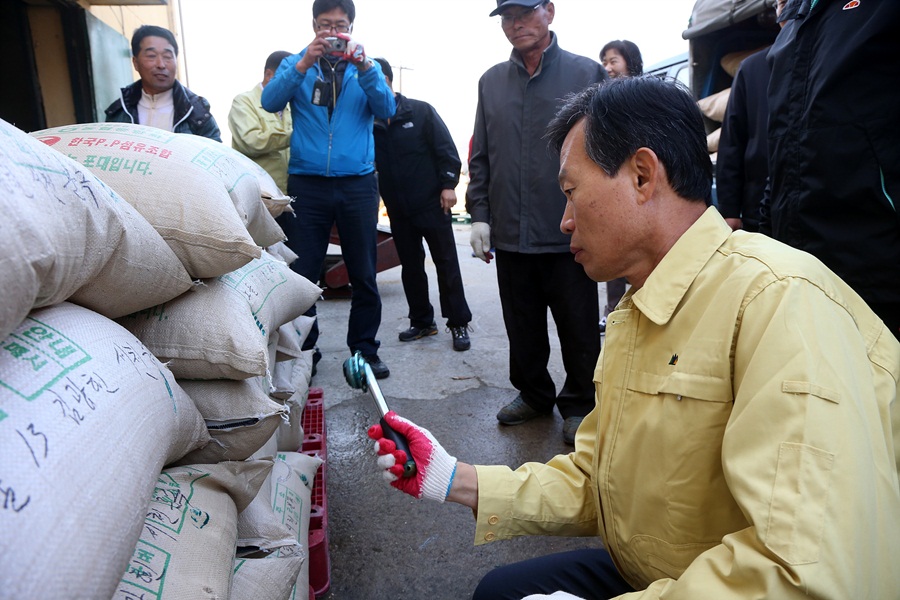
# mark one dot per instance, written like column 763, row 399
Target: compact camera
column 337, row 44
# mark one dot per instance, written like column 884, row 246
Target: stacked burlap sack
column 139, row 412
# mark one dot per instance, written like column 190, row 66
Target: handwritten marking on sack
column 289, row 507
column 256, row 282
column 10, row 501
column 36, row 442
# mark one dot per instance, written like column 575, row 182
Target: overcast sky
column 439, row 49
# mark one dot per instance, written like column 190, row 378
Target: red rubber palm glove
column 434, row 467
column 355, row 51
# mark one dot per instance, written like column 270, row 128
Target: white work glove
column 434, row 467
column 480, row 238
column 355, row 51
column 553, row 596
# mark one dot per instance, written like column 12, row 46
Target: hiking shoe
column 570, row 426
column 461, row 341
column 516, row 412
column 379, row 369
column 415, row 333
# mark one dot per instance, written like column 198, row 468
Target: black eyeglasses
column 523, row 17
column 340, row 26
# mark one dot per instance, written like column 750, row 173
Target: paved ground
column 384, row 544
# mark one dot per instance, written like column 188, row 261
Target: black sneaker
column 379, row 369
column 415, row 333
column 461, row 341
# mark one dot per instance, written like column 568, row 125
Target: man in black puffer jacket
column 158, row 99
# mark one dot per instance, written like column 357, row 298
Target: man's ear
column 134, row 62
column 646, row 167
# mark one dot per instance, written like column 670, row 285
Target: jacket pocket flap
column 688, row 385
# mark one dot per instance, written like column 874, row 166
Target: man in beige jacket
column 255, row 132
column 744, row 438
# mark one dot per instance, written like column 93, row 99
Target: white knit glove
column 480, row 238
column 434, row 467
column 553, row 596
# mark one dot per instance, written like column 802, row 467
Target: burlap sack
column 282, row 251
column 88, row 418
column 160, row 174
column 277, row 522
column 714, row 106
column 289, row 435
column 266, row 579
column 268, row 450
column 244, row 180
column 66, row 235
column 240, row 417
column 303, row 325
column 220, row 330
column 186, row 546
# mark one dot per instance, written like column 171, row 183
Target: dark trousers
column 530, row 284
column 352, row 204
column 588, row 574
column 408, row 234
column 615, row 289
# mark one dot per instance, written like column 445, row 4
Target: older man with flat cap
column 516, row 205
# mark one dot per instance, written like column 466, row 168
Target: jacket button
column 489, row 536
column 494, row 520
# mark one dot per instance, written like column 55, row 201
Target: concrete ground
column 383, row 543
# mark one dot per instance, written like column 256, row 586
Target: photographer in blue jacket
column 335, row 92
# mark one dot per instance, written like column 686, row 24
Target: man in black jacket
column 418, row 169
column 834, row 143
column 157, row 99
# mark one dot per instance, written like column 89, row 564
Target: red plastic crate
column 313, row 422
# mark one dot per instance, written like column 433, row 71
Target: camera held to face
column 336, row 44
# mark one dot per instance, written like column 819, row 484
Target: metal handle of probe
column 366, row 380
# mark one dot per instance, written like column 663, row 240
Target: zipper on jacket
column 182, row 120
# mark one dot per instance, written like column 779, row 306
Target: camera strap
column 333, row 77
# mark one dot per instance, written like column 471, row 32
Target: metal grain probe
column 359, row 375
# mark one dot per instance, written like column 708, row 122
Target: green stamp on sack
column 145, row 576
column 43, row 353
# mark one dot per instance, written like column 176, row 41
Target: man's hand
column 316, row 49
column 355, row 52
column 435, row 468
column 448, row 200
column 480, row 238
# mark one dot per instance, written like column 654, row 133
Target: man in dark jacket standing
column 834, row 143
column 418, row 169
column 516, row 207
column 158, row 99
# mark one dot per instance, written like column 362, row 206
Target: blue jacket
column 342, row 145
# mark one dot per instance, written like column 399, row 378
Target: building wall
column 125, row 19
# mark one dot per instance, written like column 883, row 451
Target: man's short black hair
column 622, row 115
column 324, row 6
column 275, row 59
column 385, row 67
column 151, row 30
